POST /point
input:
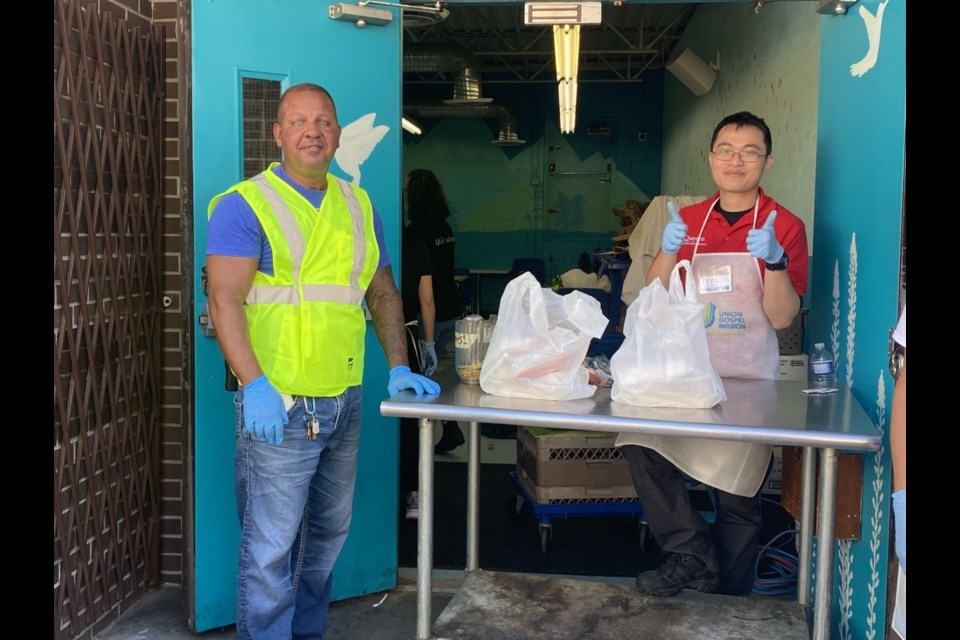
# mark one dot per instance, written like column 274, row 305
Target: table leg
column 473, row 497
column 823, row 603
column 808, row 501
column 425, row 532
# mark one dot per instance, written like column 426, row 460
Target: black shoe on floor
column 451, row 439
column 679, row 571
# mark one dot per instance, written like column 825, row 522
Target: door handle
column 206, row 322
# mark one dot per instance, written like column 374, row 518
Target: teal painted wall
column 768, row 66
column 504, row 201
column 855, row 266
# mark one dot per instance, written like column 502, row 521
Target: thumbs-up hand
column 762, row 243
column 676, row 230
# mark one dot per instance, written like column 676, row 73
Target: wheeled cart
column 564, row 508
column 567, row 473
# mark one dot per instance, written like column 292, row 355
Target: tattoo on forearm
column 386, row 309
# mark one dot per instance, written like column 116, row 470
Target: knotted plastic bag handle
column 677, row 293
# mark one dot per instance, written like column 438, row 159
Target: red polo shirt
column 719, row 237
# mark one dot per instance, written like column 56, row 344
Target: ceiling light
column 566, row 47
column 410, row 126
column 549, row 13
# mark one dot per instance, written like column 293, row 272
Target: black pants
column 731, row 548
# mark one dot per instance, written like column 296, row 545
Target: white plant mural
column 845, row 556
column 878, row 499
column 844, row 553
column 835, row 326
column 873, row 25
column 876, row 520
column 852, row 310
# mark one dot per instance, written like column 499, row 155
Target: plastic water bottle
column 823, row 372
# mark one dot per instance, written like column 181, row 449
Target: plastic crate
column 577, row 494
column 568, row 458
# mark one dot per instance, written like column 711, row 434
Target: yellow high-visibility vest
column 307, row 325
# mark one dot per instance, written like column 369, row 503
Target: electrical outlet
column 642, row 136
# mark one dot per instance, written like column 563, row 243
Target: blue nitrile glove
column 900, row 524
column 762, row 243
column 676, row 230
column 429, row 351
column 263, row 412
column 402, row 378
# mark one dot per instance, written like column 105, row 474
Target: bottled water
column 823, row 372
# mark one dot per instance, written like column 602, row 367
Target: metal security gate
column 107, row 195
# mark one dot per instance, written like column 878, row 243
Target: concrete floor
column 509, row 606
column 490, row 605
column 389, row 615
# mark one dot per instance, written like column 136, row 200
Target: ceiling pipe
column 492, row 109
column 448, row 58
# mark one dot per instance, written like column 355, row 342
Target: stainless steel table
column 765, row 411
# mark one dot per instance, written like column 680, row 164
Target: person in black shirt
column 416, row 290
column 428, row 211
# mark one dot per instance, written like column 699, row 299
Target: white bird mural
column 873, row 25
column 357, row 140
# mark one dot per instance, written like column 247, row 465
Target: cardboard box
column 794, row 367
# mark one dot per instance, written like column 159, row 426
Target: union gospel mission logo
column 724, row 320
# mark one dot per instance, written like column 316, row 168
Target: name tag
column 715, row 280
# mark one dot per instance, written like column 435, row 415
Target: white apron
column 743, row 344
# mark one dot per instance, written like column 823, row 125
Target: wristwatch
column 779, row 265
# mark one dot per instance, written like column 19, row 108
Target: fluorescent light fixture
column 566, row 48
column 361, row 16
column 410, row 126
column 567, row 90
column 550, row 13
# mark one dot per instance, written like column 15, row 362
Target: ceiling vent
column 448, row 59
column 507, row 135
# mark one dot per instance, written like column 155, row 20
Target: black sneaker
column 679, row 571
column 451, row 439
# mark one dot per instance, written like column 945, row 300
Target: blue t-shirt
column 234, row 229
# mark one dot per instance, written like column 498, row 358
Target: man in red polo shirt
column 749, row 255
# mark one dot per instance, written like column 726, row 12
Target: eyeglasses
column 726, row 155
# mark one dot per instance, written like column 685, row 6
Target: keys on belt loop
column 312, row 427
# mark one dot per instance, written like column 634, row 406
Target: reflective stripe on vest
column 297, row 245
column 306, row 322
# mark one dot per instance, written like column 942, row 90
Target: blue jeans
column 295, row 502
column 444, row 333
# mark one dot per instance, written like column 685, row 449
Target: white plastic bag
column 540, row 341
column 664, row 360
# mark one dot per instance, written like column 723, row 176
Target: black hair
column 425, row 196
column 745, row 119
